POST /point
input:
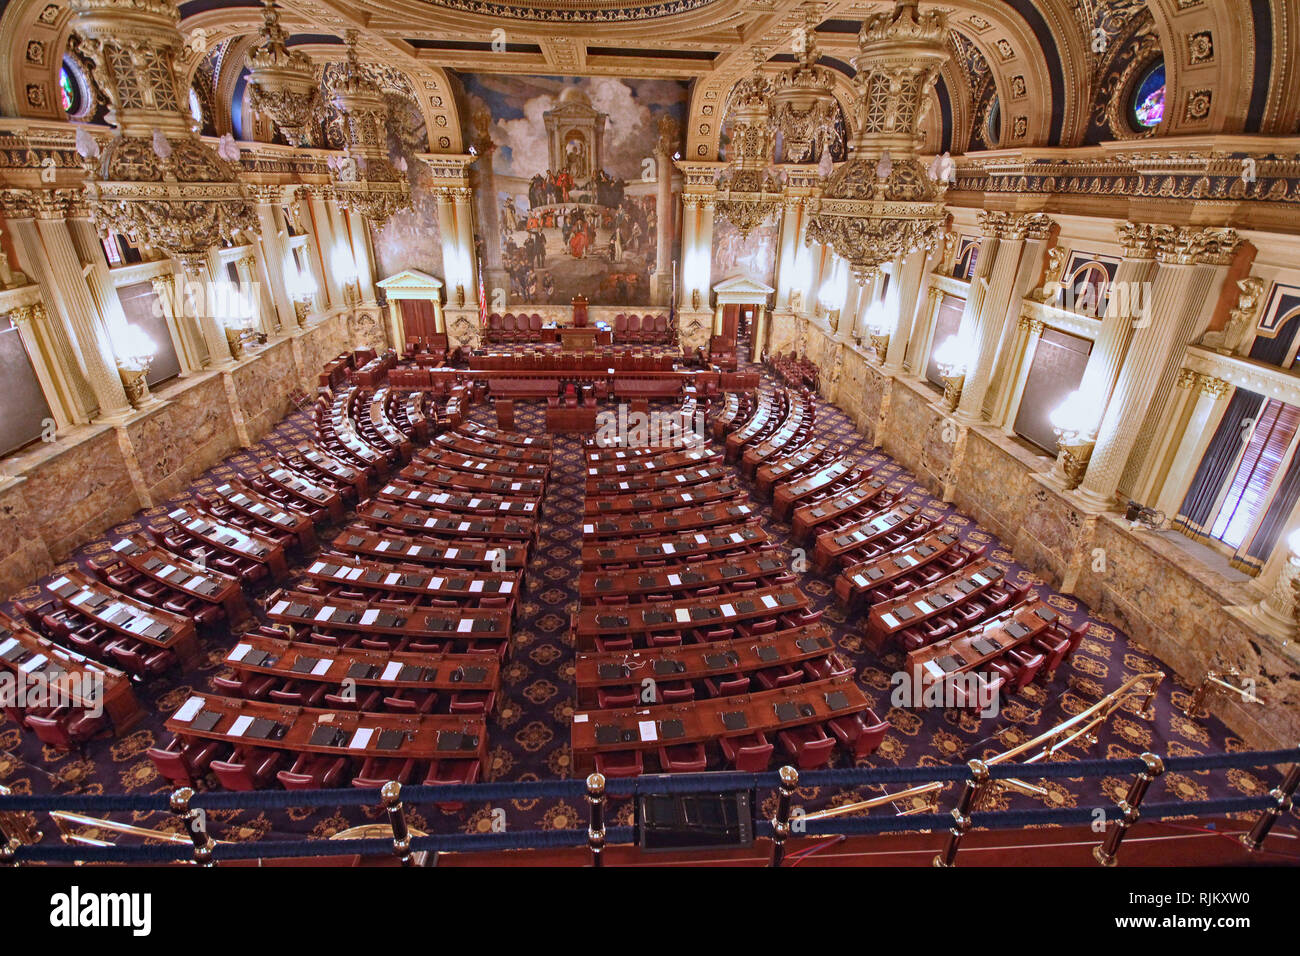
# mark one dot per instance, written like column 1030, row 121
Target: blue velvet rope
column 559, row 839
column 665, row 783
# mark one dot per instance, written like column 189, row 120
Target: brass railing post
column 195, row 823
column 1283, row 795
column 781, row 822
column 596, row 818
column 970, row 795
column 391, row 793
column 1104, row 852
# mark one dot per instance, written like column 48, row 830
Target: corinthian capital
column 1138, row 240
column 1187, row 246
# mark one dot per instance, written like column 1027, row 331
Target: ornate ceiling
column 1055, row 67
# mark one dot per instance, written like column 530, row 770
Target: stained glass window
column 1149, row 98
column 69, row 91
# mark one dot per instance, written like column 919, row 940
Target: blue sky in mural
column 518, row 103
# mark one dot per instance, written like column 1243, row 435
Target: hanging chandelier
column 748, row 194
column 365, row 179
column 155, row 182
column 882, row 203
column 803, row 106
column 281, row 82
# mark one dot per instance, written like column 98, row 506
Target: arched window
column 1147, row 103
column 196, row 107
column 1087, row 289
column 74, row 90
column 993, row 125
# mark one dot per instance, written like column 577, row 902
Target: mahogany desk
column 857, row 579
column 251, row 723
column 700, row 721
column 301, row 489
column 694, row 662
column 24, row 651
column 595, row 585
column 420, row 496
column 181, row 574
column 268, row 514
column 666, row 522
column 327, row 466
column 780, row 469
column 237, row 542
column 807, row 518
column 659, row 481
column 676, row 549
column 476, row 465
column 976, row 646
column 640, row 464
column 383, row 578
column 428, row 551
column 365, row 667
column 300, row 609
column 786, row 496
column 457, row 442
column 438, row 523
column 716, row 610
column 498, row 437
column 692, row 497
column 127, row 616
column 915, row 607
column 832, row 545
column 443, row 478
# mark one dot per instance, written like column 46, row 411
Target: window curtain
column 1254, row 555
column 1196, row 515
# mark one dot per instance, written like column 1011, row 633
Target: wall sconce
column 950, row 356
column 135, row 352
column 1073, row 421
column 345, row 268
column 878, row 329
column 302, row 289
column 695, row 299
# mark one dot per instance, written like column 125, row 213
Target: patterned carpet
column 529, row 739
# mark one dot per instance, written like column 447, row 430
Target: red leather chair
column 621, row 763
column 749, row 754
column 247, row 769
column 683, row 758
column 314, row 772
column 452, row 772
column 809, row 745
column 861, row 732
column 377, row 771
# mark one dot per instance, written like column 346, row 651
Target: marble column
column 1202, row 402
column 255, row 293
column 791, row 230
column 463, row 210
column 77, row 307
column 189, row 348
column 662, row 278
column 30, row 321
column 989, row 319
column 909, row 280
column 359, row 230
column 1190, row 262
column 273, row 257
column 978, row 290
column 329, row 291
column 80, row 398
column 1019, row 359
column 1123, row 310
column 198, row 275
column 998, row 394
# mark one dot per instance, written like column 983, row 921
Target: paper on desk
column 188, row 709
